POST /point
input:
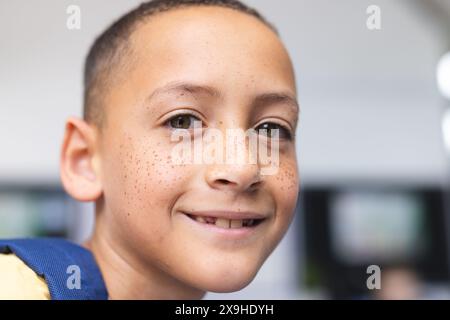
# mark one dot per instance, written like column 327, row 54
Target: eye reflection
column 182, row 121
column 269, row 129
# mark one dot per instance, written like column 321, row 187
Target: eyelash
column 285, row 132
column 180, row 115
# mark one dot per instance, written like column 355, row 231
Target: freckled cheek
column 286, row 186
column 151, row 179
column 148, row 183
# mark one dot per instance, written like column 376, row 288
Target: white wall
column 370, row 108
column 41, row 80
column 368, row 98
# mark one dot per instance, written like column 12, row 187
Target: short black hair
column 112, row 45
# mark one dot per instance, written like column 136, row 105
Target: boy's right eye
column 182, row 121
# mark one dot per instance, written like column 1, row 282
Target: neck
column 126, row 278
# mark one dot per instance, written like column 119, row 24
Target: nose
column 235, row 177
column 239, row 172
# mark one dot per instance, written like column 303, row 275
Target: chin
column 224, row 286
column 230, row 280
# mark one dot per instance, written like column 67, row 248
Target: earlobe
column 79, row 167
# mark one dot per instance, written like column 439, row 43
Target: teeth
column 236, row 223
column 226, row 223
column 223, row 223
column 200, row 219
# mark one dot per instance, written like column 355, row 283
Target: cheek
column 144, row 184
column 286, row 187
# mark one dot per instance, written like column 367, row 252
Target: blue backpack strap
column 51, row 258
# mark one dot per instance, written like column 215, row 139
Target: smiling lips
column 228, row 220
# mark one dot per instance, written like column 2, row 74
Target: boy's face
column 226, row 69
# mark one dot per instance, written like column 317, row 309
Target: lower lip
column 231, row 233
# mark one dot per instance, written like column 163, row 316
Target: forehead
column 214, row 47
column 211, row 41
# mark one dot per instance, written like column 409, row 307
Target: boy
column 165, row 229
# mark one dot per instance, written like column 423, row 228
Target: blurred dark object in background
column 350, row 227
column 28, row 210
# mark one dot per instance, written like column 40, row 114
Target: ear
column 79, row 165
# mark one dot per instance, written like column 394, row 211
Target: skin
column 145, row 247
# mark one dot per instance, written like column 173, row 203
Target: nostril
column 223, row 181
column 255, row 185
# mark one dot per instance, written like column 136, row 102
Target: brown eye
column 269, row 129
column 182, row 121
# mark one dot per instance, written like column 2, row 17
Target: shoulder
column 18, row 281
column 53, row 259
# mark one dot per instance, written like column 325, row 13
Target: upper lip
column 231, row 215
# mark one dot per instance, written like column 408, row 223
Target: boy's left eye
column 269, row 129
column 182, row 121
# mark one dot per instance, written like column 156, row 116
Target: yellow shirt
column 19, row 282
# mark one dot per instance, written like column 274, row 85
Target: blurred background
column 373, row 140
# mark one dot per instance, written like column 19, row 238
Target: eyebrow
column 275, row 98
column 191, row 88
column 185, row 87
